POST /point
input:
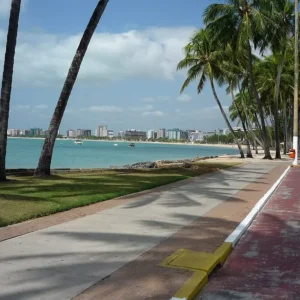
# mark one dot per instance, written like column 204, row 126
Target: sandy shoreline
column 142, row 142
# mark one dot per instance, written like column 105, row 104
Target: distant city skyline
column 102, row 131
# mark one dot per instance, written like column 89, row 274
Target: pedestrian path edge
column 184, row 259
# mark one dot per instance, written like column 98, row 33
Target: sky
column 128, row 79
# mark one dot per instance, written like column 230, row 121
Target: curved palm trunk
column 276, row 116
column 43, row 168
column 225, row 117
column 254, row 136
column 260, row 106
column 7, row 81
column 249, row 152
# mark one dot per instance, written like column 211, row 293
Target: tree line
column 223, row 53
column 247, row 47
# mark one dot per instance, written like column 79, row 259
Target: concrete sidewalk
column 266, row 262
column 62, row 261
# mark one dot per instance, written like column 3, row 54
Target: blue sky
column 128, row 78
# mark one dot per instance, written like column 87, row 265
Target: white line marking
column 242, row 227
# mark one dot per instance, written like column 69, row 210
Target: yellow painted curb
column 166, row 262
column 196, row 261
column 192, row 286
column 202, row 263
column 223, row 252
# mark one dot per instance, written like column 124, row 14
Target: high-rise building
column 102, row 131
column 121, row 134
column 177, row 134
column 110, row 134
column 87, row 132
column 79, row 132
column 150, row 134
column 135, row 134
column 161, row 133
column 35, row 131
column 13, row 132
column 44, row 132
column 71, row 133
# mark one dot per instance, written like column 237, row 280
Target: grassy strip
column 24, row 198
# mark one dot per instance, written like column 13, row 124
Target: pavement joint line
column 200, row 277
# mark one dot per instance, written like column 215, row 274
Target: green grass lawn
column 23, row 198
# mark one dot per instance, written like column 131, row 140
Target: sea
column 24, row 153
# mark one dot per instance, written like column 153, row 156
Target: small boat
column 116, row 145
column 131, row 145
column 78, row 142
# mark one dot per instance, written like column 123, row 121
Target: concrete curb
column 234, row 237
column 200, row 277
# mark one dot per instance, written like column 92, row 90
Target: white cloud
column 144, row 108
column 152, row 53
column 163, row 98
column 104, row 108
column 177, row 110
column 40, row 106
column 148, row 99
column 157, row 113
column 21, row 107
column 184, row 98
column 5, row 7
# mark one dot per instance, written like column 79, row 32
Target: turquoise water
column 24, row 153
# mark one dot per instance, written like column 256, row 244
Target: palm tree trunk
column 259, row 104
column 225, row 117
column 270, row 125
column 279, row 72
column 248, row 121
column 249, row 152
column 7, row 77
column 255, row 146
column 285, row 128
column 43, row 168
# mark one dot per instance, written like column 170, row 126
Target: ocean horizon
column 25, row 152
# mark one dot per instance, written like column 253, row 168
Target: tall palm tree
column 203, row 58
column 278, row 38
column 43, row 168
column 243, row 23
column 267, row 82
column 242, row 119
column 7, row 80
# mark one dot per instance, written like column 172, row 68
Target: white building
column 13, row 132
column 161, row 133
column 235, row 129
column 102, row 131
column 150, row 134
column 196, row 136
column 110, row 133
column 71, row 133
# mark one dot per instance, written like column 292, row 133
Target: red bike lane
column 266, row 262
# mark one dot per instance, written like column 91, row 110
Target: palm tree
column 204, row 57
column 7, row 80
column 267, row 82
column 242, row 23
column 279, row 37
column 43, row 168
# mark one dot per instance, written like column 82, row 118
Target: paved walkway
column 266, row 262
column 113, row 245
